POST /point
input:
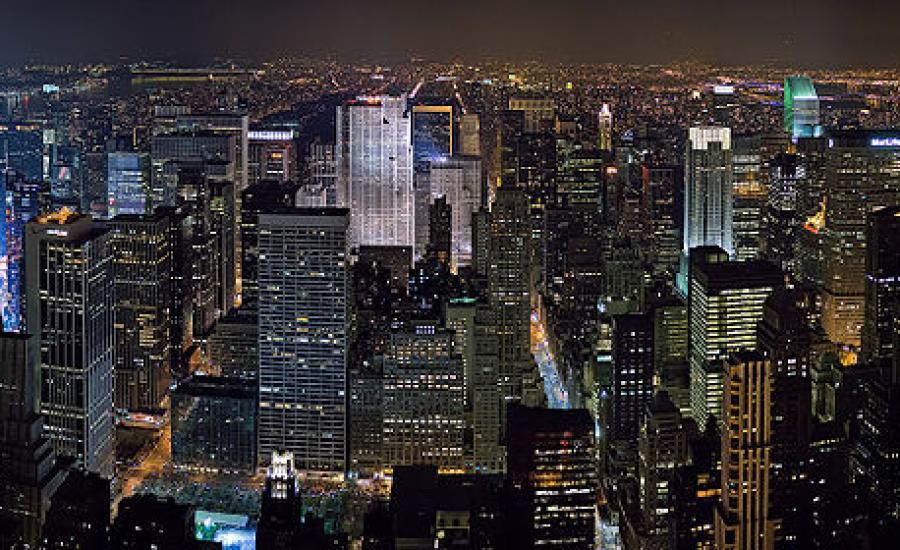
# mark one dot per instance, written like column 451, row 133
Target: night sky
column 812, row 33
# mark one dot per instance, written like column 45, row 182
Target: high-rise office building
column 708, row 189
column 440, row 232
column 222, row 239
column 128, row 183
column 783, row 224
column 539, row 112
column 424, row 399
column 661, row 199
column 142, row 267
column 509, row 287
column 632, row 374
column 261, row 197
column 169, row 150
column 604, row 128
column 234, row 345
column 470, row 135
column 22, row 147
column 458, row 179
column 321, row 166
column 882, row 304
column 743, row 518
column 862, row 174
column 801, row 108
column 70, row 292
column 670, row 344
column 30, row 474
column 725, row 303
column 785, row 340
column 749, row 194
column 662, row 447
column 375, row 170
column 303, row 285
column 233, row 125
column 271, row 156
column 551, row 469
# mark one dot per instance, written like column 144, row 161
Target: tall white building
column 302, row 336
column 708, row 189
column 604, row 128
column 375, row 170
column 69, row 271
column 458, row 179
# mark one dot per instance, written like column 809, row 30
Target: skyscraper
column 662, row 447
column 632, row 374
column 725, row 303
column 375, row 170
column 303, row 284
column 604, row 126
column 743, row 519
column 862, row 174
column 264, row 196
column 801, row 108
column 30, row 474
column 142, row 267
column 750, row 197
column 128, row 183
column 551, row 470
column 458, row 179
column 708, row 189
column 509, row 287
column 424, row 398
column 882, row 284
column 70, row 291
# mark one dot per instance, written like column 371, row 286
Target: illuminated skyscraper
column 271, row 155
column 128, row 183
column 424, row 398
column 725, row 303
column 551, row 469
column 458, row 179
column 470, row 135
column 743, row 519
column 70, row 291
column 632, row 374
column 750, row 197
column 708, row 189
column 862, row 174
column 604, row 128
column 783, row 224
column 375, row 170
column 303, row 284
column 142, row 263
column 509, row 287
column 801, row 108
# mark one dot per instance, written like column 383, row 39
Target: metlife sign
column 884, row 142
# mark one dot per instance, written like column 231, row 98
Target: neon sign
column 885, row 142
